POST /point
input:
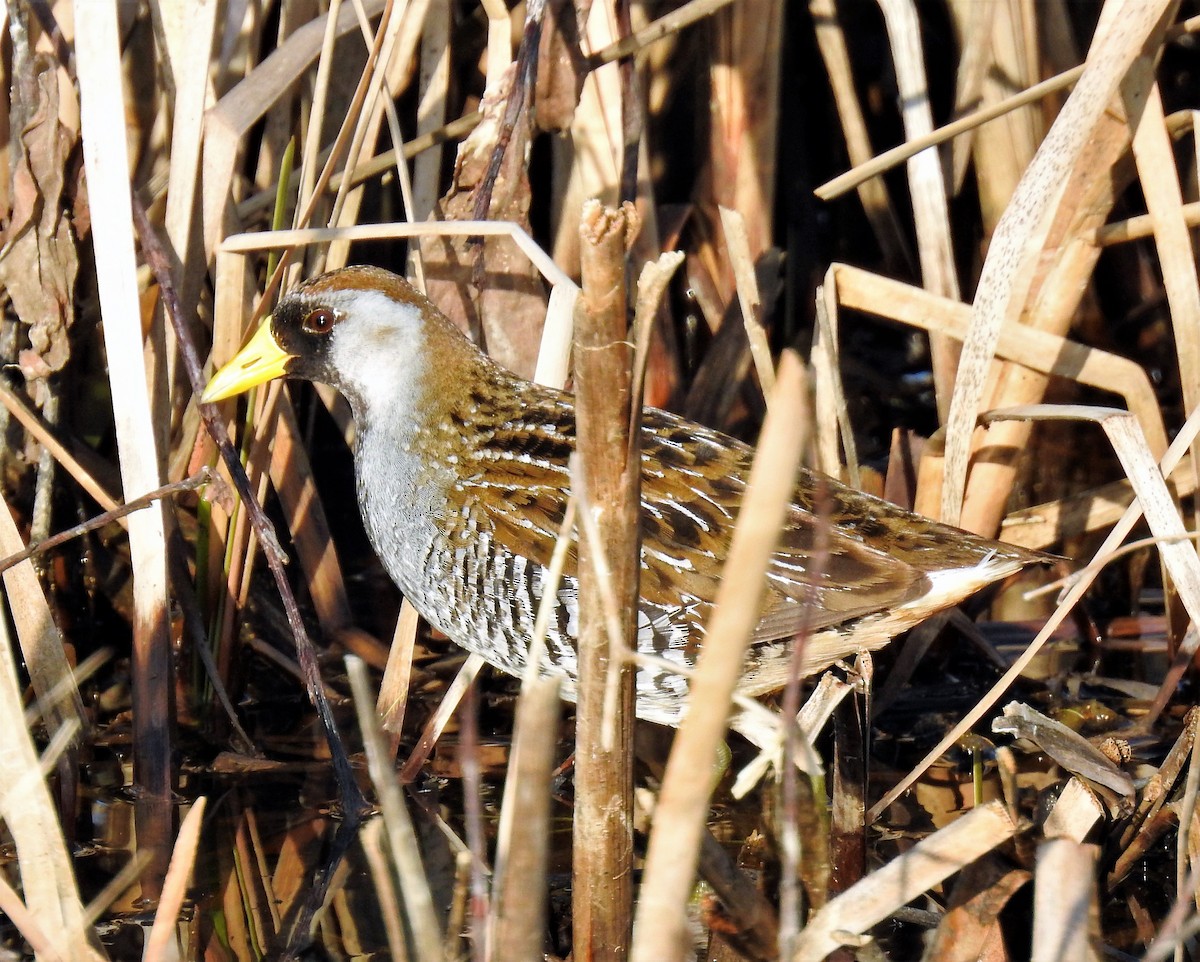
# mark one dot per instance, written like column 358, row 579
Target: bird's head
column 363, row 330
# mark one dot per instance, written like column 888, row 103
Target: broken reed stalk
column 660, row 930
column 160, row 942
column 421, row 918
column 603, row 825
column 1066, row 913
column 519, row 899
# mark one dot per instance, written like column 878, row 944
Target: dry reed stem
column 286, row 879
column 373, row 843
column 107, row 162
column 651, row 287
column 872, row 191
column 393, row 690
column 433, row 86
column 240, row 109
column 1185, row 839
column 59, row 742
column 395, row 53
column 175, row 886
column 456, row 920
column 46, row 872
column 925, row 183
column 1159, row 178
column 80, row 675
column 742, row 263
column 847, row 846
column 114, row 887
column 26, row 922
column 608, row 469
column 683, row 16
column 310, row 161
column 116, row 515
column 1000, row 151
column 1065, row 910
column 376, row 166
column 1140, row 225
column 1043, row 525
column 441, row 718
column 897, row 155
column 522, row 844
column 744, row 119
column 190, row 32
column 973, row 23
column 292, row 478
column 1075, row 812
column 853, row 178
column 359, row 127
column 93, row 474
column 393, row 82
column 41, row 644
column 402, row 840
column 260, row 895
column 589, row 160
column 1178, row 932
column 1058, row 189
column 831, row 415
column 240, row 244
column 660, row 925
column 232, row 905
column 238, row 544
column 1155, row 501
column 905, row 877
column 1037, row 350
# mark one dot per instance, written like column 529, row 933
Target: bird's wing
column 693, row 484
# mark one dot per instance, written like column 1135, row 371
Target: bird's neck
column 429, row 410
column 412, row 450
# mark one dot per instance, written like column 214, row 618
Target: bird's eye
column 320, row 321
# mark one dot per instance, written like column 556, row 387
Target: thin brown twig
column 201, row 477
column 664, row 26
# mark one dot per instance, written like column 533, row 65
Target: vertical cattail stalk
column 603, row 839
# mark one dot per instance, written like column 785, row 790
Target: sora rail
column 462, row 480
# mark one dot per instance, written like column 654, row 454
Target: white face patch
column 375, row 346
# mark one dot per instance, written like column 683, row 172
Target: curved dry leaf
column 39, row 261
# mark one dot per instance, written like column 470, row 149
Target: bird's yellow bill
column 261, row 360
